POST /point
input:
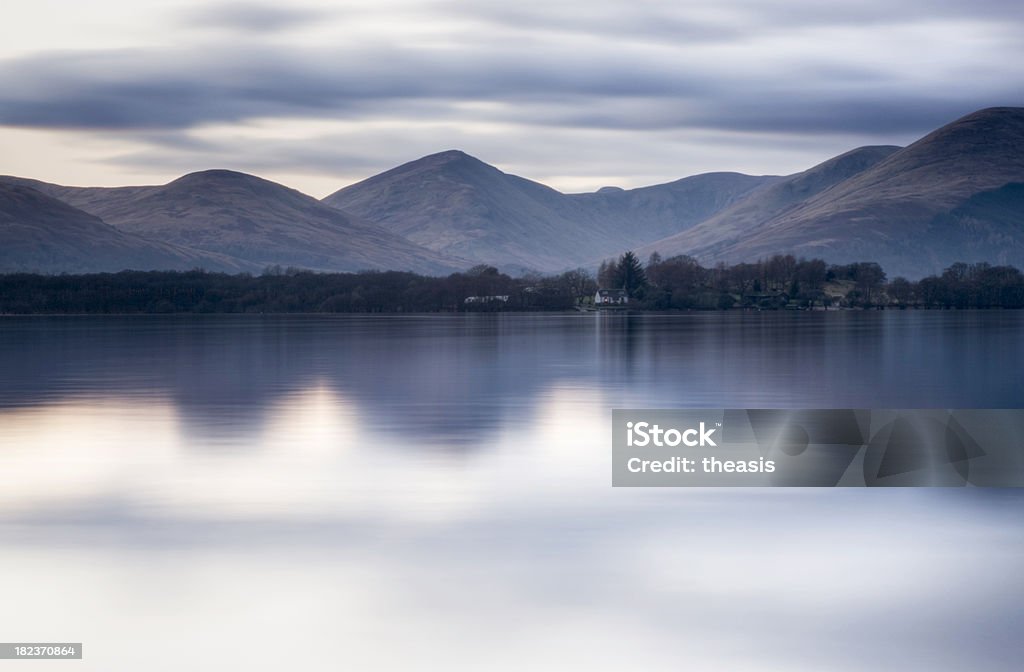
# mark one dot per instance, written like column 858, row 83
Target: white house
column 611, row 297
column 503, row 298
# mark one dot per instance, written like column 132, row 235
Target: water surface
column 432, row 492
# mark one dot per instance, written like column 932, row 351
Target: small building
column 611, row 297
column 500, row 298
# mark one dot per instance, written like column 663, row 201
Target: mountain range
column 948, row 197
column 255, row 222
column 956, row 194
column 38, row 232
column 458, row 205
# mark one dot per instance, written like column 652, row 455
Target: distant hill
column 646, row 213
column 954, row 195
column 42, row 234
column 257, row 221
column 988, row 226
column 731, row 224
column 90, row 199
column 948, row 197
column 456, row 204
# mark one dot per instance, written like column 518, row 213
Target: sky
column 579, row 95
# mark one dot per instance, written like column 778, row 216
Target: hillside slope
column 731, row 224
column 42, row 234
column 255, row 220
column 915, row 212
column 456, row 204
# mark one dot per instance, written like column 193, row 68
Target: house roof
column 611, row 292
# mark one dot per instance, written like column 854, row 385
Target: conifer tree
column 630, row 274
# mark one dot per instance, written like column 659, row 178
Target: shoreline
column 631, row 312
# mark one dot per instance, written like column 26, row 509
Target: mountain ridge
column 887, row 212
column 257, row 221
column 762, row 205
column 457, row 204
column 953, row 195
column 39, row 233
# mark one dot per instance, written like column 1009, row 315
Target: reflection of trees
column 452, row 378
column 455, row 379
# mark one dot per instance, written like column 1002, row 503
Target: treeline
column 677, row 283
column 784, row 281
column 278, row 290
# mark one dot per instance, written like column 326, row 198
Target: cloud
column 179, row 89
column 730, row 21
column 623, row 89
column 248, row 17
column 626, row 77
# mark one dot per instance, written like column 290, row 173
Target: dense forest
column 678, row 283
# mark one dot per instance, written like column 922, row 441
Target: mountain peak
column 989, row 127
column 221, row 175
column 449, row 157
column 994, row 113
column 226, row 184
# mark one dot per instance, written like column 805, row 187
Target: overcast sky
column 577, row 94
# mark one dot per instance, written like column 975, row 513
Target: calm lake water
column 433, row 492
